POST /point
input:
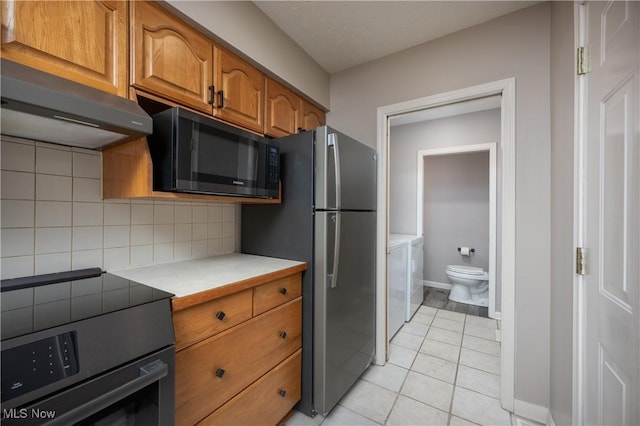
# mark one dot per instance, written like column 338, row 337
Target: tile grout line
column 472, row 390
column 395, row 401
column 455, row 379
column 426, row 375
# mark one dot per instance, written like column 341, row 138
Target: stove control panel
column 37, row 364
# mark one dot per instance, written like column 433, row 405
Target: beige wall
column 562, row 141
column 405, row 142
column 516, row 45
column 242, row 25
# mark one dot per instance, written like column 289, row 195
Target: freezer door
column 345, row 172
column 344, row 304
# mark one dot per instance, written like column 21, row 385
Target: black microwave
column 196, row 154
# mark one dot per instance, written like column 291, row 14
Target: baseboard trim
column 531, row 411
column 435, row 284
column 550, row 421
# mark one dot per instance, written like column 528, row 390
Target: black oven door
column 215, row 158
column 139, row 393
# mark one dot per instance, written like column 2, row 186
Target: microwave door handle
column 333, row 143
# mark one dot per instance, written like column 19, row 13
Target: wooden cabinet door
column 311, row 116
column 83, row 41
column 170, row 58
column 281, row 110
column 240, row 89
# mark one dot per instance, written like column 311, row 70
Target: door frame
column 461, row 149
column 506, row 88
column 580, row 140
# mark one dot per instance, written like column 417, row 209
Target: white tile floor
column 443, row 369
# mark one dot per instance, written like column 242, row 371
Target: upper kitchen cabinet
column 240, row 91
column 282, row 110
column 311, row 116
column 83, row 41
column 170, row 58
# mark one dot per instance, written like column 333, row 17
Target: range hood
column 40, row 106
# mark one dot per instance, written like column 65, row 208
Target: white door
column 610, row 325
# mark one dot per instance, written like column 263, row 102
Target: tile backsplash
column 54, row 219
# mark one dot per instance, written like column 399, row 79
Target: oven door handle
column 149, row 374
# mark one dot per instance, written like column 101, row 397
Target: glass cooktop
column 36, row 303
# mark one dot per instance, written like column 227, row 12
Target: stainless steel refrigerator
column 328, row 219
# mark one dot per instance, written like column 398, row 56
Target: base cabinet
column 237, row 370
column 263, row 402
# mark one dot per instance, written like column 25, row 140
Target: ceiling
column 342, row 34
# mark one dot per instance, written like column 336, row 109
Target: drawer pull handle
column 282, row 392
column 219, row 372
column 283, row 334
column 220, row 315
column 283, row 291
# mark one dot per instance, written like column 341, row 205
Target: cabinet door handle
column 282, row 392
column 220, row 372
column 283, row 291
column 220, row 99
column 220, row 315
column 212, row 95
column 300, row 129
column 283, row 334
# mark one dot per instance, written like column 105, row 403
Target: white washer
column 397, row 258
column 414, row 293
column 415, row 289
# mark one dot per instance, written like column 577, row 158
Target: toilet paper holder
column 471, row 250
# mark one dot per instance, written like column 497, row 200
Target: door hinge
column 581, row 261
column 583, row 61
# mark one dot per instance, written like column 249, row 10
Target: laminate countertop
column 212, row 275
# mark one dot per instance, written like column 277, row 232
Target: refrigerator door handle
column 333, row 277
column 332, row 142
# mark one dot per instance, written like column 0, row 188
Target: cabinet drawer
column 206, row 319
column 275, row 293
column 266, row 401
column 211, row 372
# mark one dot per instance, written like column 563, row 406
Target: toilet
column 470, row 285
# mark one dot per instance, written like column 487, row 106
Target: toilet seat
column 464, row 269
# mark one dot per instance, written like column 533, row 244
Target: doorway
column 506, row 89
column 490, row 149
